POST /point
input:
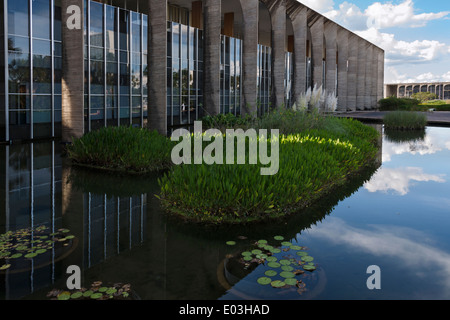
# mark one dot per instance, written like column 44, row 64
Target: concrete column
column 212, row 46
column 331, row 49
column 361, row 75
column 300, row 25
column 352, row 71
column 72, row 75
column 250, row 11
column 370, row 77
column 317, row 34
column 278, row 19
column 157, row 64
column 374, row 101
column 342, row 39
column 380, row 87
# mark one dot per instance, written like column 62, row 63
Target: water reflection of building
column 35, row 191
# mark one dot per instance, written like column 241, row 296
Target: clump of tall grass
column 128, row 149
column 405, row 120
column 314, row 158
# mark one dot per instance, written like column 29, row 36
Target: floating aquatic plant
column 97, row 291
column 28, row 243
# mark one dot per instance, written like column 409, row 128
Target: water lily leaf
column 286, row 244
column 309, row 267
column 262, row 241
column 278, row 284
column 256, row 251
column 5, row 266
column 279, row 238
column 271, row 259
column 97, row 295
column 231, row 243
column 248, row 258
column 70, row 237
column 275, row 250
column 302, row 253
column 287, row 268
column 17, row 255
column 87, row 293
column 264, row 281
column 271, row 273
column 287, row 274
column 31, row 255
column 111, row 291
column 64, row 295
column 290, row 281
column 274, row 264
column 285, row 262
column 103, row 289
column 307, row 259
column 296, row 248
column 246, row 253
column 40, row 251
column 76, row 295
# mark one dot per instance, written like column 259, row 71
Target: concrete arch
column 232, row 19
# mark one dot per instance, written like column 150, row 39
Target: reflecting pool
column 395, row 216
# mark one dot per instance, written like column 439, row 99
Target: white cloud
column 319, row 5
column 395, row 242
column 370, row 22
column 399, row 179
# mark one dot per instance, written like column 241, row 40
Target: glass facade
column 34, row 68
column 116, row 69
column 230, row 75
column 184, row 75
column 264, row 79
column 289, row 77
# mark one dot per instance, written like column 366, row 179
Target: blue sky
column 415, row 34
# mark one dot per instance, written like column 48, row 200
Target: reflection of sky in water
column 400, row 221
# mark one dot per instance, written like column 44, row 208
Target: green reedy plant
column 404, row 120
column 128, row 149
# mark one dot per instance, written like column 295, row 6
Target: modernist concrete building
column 71, row 66
column 406, row 90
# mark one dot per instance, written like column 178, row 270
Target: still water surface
column 396, row 217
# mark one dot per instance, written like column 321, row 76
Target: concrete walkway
column 441, row 118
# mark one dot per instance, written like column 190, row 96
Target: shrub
column 393, row 104
column 129, row 149
column 404, row 120
column 424, row 96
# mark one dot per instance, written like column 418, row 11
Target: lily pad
column 290, row 281
column 76, row 295
column 246, row 254
column 87, row 293
column 270, row 273
column 231, row 243
column 5, row 266
column 248, row 258
column 307, row 259
column 275, row 250
column 262, row 241
column 97, row 295
column 274, row 264
column 309, row 267
column 285, row 262
column 30, row 255
column 70, row 237
column 279, row 238
column 103, row 289
column 64, row 295
column 17, row 255
column 271, row 259
column 287, row 274
column 296, row 248
column 256, row 251
column 286, row 244
column 287, row 268
column 264, row 281
column 40, row 251
column 111, row 291
column 302, row 253
column 278, row 284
